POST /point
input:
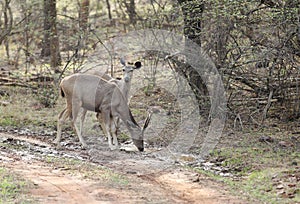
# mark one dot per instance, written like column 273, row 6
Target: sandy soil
column 151, row 179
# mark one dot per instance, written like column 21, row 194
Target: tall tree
column 83, row 25
column 84, row 14
column 51, row 40
column 109, row 10
column 192, row 12
column 7, row 25
column 130, row 7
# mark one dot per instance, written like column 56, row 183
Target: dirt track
column 151, row 179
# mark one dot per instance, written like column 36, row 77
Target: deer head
column 128, row 69
column 138, row 132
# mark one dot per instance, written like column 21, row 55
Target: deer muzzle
column 139, row 144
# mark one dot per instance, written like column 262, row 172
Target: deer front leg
column 107, row 123
column 84, row 145
column 58, row 135
column 61, row 119
column 114, row 127
column 75, row 111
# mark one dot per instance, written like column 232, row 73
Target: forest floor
column 249, row 165
column 255, row 161
column 99, row 175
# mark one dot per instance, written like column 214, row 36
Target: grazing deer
column 124, row 84
column 96, row 94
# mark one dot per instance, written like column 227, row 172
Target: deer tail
column 62, row 93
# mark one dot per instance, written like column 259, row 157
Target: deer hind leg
column 117, row 125
column 75, row 112
column 61, row 119
column 83, row 114
column 114, row 127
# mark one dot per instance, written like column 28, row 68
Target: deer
column 124, row 84
column 101, row 96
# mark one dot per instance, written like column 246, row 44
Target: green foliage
column 123, row 137
column 11, row 187
column 269, row 185
column 263, row 186
column 244, row 160
column 8, row 121
column 160, row 15
column 258, row 185
column 24, row 110
column 47, row 95
column 263, row 171
column 234, row 160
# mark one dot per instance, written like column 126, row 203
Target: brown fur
column 98, row 95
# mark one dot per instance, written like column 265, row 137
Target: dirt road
column 132, row 177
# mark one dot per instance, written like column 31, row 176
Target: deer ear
column 147, row 121
column 138, row 65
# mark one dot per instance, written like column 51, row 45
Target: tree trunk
column 108, row 10
column 83, row 26
column 84, row 15
column 130, row 7
column 51, row 41
column 6, row 26
column 192, row 11
column 46, row 42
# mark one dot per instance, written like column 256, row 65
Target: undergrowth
column 267, row 172
column 12, row 188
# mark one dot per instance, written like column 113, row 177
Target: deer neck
column 125, row 113
column 126, row 88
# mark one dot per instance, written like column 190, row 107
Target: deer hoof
column 56, row 141
column 84, row 146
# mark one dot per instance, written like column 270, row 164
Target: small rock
column 266, row 139
column 280, row 186
column 156, row 109
column 187, row 158
column 294, row 138
column 285, row 144
column 294, row 163
column 4, row 103
column 197, row 179
column 291, row 185
column 129, row 148
column 226, row 174
column 131, row 172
